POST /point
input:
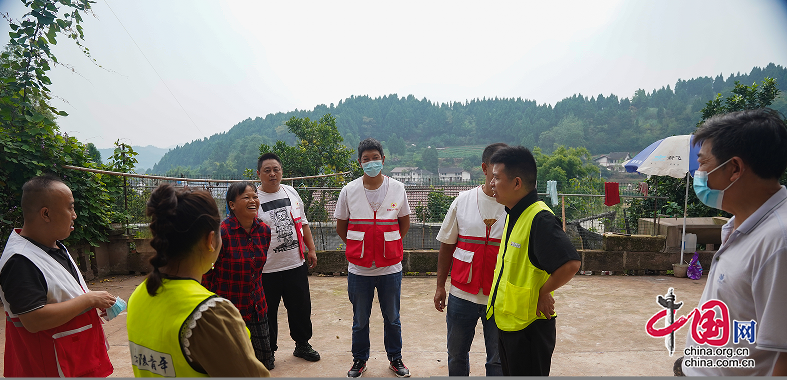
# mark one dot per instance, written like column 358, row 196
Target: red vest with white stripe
column 74, row 349
column 474, row 258
column 295, row 214
column 373, row 236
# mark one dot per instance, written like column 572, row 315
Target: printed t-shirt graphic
column 276, row 210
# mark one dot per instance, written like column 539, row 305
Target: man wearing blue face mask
column 742, row 156
column 372, row 218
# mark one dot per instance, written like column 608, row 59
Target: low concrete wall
column 622, row 254
column 707, row 229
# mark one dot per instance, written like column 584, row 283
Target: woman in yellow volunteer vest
column 176, row 327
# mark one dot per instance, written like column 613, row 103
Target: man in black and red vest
column 469, row 242
column 372, row 218
column 52, row 325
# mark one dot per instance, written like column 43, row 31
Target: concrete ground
column 600, row 329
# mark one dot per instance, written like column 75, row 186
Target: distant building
column 412, row 175
column 613, row 161
column 453, row 175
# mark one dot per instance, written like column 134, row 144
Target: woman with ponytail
column 237, row 273
column 176, row 327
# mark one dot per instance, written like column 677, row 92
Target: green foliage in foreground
column 29, row 137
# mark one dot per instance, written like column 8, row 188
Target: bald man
column 52, row 325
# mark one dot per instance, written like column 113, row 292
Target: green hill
column 600, row 123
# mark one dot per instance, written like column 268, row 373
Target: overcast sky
column 225, row 61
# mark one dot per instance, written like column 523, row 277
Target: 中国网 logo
column 710, row 323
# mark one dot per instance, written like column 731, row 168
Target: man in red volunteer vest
column 469, row 242
column 52, row 325
column 372, row 218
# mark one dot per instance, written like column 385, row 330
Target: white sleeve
column 303, row 208
column 769, row 289
column 342, row 210
column 405, row 209
column 449, row 231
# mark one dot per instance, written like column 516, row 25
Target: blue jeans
column 361, row 292
column 461, row 319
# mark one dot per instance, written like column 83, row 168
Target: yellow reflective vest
column 517, row 287
column 155, row 325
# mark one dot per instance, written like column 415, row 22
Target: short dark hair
column 519, row 162
column 236, row 189
column 369, row 144
column 268, row 156
column 490, row 150
column 758, row 137
column 34, row 190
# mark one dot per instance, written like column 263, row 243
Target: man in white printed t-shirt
column 469, row 243
column 285, row 275
column 372, row 218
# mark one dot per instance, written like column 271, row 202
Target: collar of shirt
column 756, row 218
column 514, row 213
column 49, row 250
column 234, row 224
column 522, row 205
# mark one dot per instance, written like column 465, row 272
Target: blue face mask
column 116, row 309
column 373, row 168
column 706, row 195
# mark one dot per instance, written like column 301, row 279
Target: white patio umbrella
column 674, row 156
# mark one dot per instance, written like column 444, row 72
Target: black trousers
column 528, row 352
column 292, row 286
column 260, row 338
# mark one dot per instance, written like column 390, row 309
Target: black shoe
column 359, row 366
column 677, row 368
column 399, row 368
column 305, row 351
column 270, row 363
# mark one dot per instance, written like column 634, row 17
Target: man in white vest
column 285, row 275
column 372, row 218
column 52, row 325
column 469, row 242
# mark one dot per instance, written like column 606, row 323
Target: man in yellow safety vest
column 535, row 258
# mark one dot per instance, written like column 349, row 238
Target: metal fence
column 585, row 214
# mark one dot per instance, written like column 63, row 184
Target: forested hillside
column 600, row 123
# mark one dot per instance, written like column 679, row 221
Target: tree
column 569, row 132
column 437, row 204
column 742, row 98
column 319, row 151
column 396, row 145
column 429, row 159
column 122, row 160
column 31, row 141
column 564, row 164
column 93, row 152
